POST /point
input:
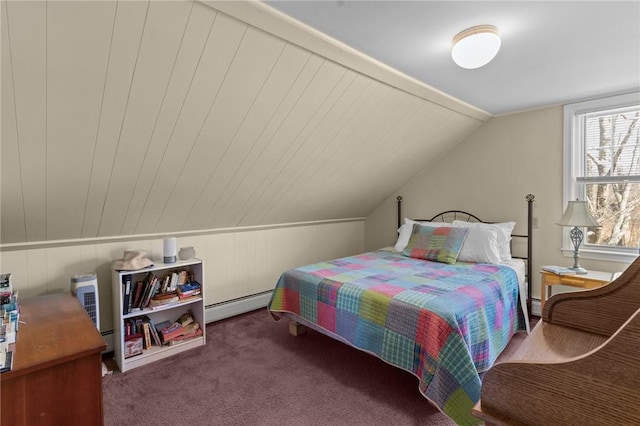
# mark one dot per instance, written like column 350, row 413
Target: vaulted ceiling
column 151, row 117
column 553, row 52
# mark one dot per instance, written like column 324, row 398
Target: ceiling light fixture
column 475, row 46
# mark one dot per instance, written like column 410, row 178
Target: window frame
column 573, row 165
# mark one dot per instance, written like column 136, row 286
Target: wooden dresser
column 57, row 369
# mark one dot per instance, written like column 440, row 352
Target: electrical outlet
column 535, row 222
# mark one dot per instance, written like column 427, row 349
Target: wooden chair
column 579, row 366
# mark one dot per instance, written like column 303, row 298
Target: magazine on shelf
column 558, row 270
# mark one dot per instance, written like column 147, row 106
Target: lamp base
column 578, row 270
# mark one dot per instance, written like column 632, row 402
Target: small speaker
column 85, row 288
column 170, row 249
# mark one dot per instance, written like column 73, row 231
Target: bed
column 433, row 304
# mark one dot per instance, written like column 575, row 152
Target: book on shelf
column 156, row 303
column 165, row 296
column 186, row 336
column 173, row 330
column 137, row 294
column 558, row 270
column 155, row 290
column 190, row 328
column 146, row 334
column 126, row 294
column 152, row 288
column 146, row 288
column 188, row 289
column 153, row 331
column 174, row 281
column 183, row 329
column 165, row 283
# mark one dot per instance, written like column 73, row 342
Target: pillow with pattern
column 404, row 232
column 438, row 244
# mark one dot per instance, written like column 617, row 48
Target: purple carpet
column 252, row 372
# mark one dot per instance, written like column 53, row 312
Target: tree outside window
column 612, row 142
column 602, row 166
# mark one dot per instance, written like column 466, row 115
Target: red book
column 188, row 336
column 172, row 331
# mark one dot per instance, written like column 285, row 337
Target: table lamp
column 577, row 215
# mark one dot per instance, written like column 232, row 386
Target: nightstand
column 592, row 279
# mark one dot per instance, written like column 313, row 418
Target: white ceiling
column 553, row 52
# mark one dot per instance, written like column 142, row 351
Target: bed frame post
column 399, row 199
column 530, row 198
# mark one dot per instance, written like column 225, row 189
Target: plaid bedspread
column 443, row 323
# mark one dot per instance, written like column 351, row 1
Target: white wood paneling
column 126, row 35
column 27, row 33
column 236, row 263
column 217, row 150
column 139, row 117
column 12, row 203
column 224, row 39
column 35, row 273
column 249, row 141
column 266, row 151
column 189, row 58
column 164, row 30
column 75, row 78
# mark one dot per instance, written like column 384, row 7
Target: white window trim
column 571, row 189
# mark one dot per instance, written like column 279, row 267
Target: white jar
column 186, row 253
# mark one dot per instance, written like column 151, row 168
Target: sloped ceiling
column 138, row 117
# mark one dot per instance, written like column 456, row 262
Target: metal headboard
column 449, row 215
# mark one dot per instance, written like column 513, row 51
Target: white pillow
column 504, row 234
column 404, row 232
column 480, row 246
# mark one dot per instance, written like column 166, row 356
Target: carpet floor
column 252, row 372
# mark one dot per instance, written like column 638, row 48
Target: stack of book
column 163, row 299
column 184, row 328
column 9, row 316
column 188, row 289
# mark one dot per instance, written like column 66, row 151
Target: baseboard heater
column 230, row 308
column 217, row 311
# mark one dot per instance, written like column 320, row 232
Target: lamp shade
column 475, row 46
column 577, row 214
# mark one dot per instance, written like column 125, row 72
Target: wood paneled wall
column 237, row 263
column 134, row 117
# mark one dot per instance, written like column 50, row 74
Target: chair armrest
column 602, row 310
column 601, row 386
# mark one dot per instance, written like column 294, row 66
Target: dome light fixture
column 475, row 46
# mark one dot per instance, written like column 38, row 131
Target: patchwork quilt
column 446, row 324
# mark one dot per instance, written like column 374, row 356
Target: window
column 602, row 166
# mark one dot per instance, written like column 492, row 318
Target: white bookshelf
column 165, row 313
